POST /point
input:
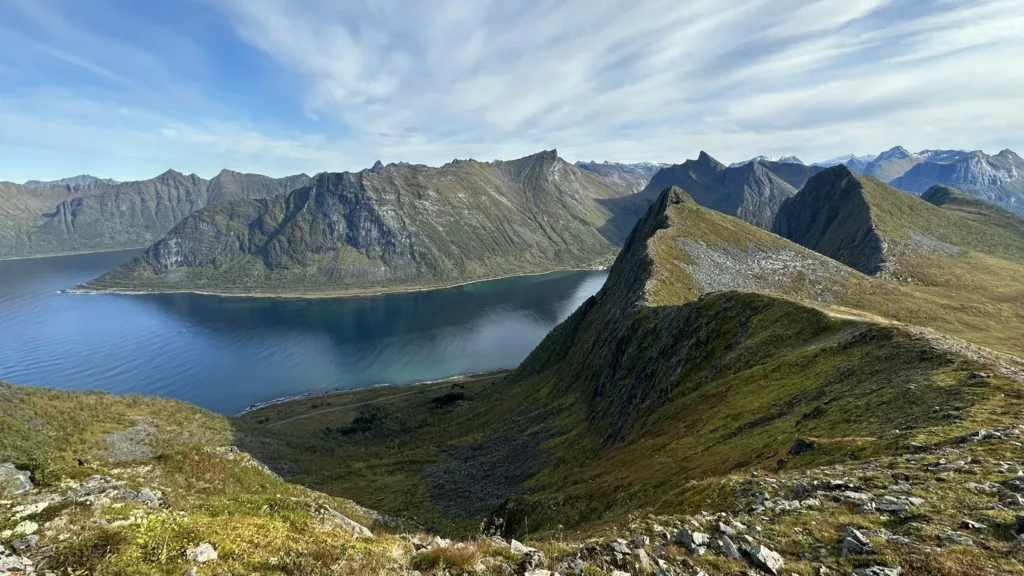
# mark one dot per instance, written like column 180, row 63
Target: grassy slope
column 646, row 387
column 649, row 398
column 257, row 522
column 958, row 267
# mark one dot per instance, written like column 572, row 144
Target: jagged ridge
column 400, row 225
column 107, row 216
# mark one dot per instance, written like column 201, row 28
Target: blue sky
column 128, row 88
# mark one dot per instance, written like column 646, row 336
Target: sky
column 126, row 89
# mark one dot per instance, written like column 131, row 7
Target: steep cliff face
column 392, row 226
column 101, row 216
column 877, row 229
column 831, row 216
column 998, row 179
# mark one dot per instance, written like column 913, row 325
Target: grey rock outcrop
column 203, row 553
column 14, row 481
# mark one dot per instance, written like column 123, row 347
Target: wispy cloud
column 314, row 85
column 654, row 79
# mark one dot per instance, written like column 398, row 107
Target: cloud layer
column 344, row 83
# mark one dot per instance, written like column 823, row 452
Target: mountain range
column 633, row 177
column 82, row 180
column 997, row 178
column 389, row 227
column 784, row 159
column 83, row 214
column 751, row 191
column 841, row 396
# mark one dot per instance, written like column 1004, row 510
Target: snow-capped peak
column 784, row 159
column 896, row 152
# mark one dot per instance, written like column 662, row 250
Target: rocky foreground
column 943, row 509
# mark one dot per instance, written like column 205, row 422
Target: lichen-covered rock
column 878, row 571
column 764, row 559
column 205, row 552
column 13, row 481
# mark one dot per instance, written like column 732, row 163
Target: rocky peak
column 170, row 173
column 705, row 161
column 894, row 153
column 378, row 167
column 1010, row 154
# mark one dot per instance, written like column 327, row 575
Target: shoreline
column 340, row 391
column 85, row 289
column 63, row 254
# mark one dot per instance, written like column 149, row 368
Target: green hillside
column 729, row 401
column 714, row 349
column 397, row 227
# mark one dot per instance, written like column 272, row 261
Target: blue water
column 226, row 354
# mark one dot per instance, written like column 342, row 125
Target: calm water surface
column 228, row 353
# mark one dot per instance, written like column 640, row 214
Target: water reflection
column 227, row 353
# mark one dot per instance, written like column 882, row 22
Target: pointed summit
column 706, row 160
column 894, row 153
column 378, row 167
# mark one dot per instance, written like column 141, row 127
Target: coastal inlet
column 226, row 354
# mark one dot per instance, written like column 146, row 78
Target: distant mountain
column 399, row 226
column 855, row 163
column 784, row 159
column 877, row 229
column 796, row 175
column 896, row 161
column 998, row 179
column 892, row 163
column 59, row 218
column 751, row 192
column 632, row 177
column 83, row 180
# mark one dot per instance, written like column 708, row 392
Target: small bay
column 225, row 354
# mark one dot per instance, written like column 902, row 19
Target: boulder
column 26, row 544
column 531, row 560
column 205, row 552
column 352, row 527
column 892, row 504
column 692, row 540
column 641, row 541
column 644, row 563
column 518, row 547
column 877, row 571
column 972, row 525
column 12, row 564
column 571, row 567
column 727, row 548
column 620, row 546
column 764, row 559
column 855, row 543
column 956, row 538
column 14, row 482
